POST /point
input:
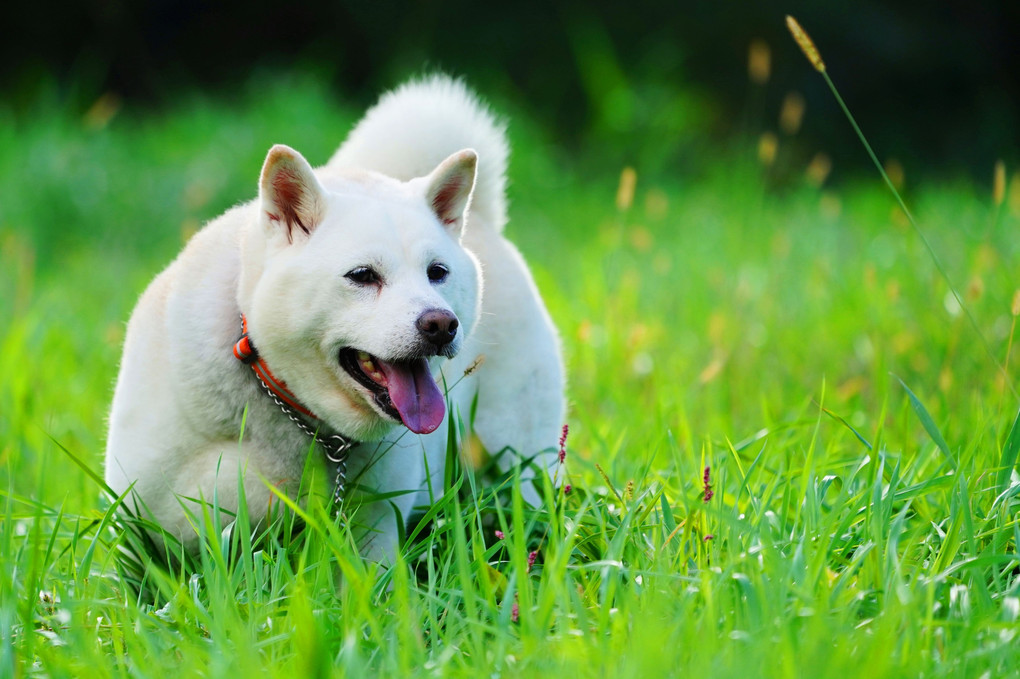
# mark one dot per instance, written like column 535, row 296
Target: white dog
column 360, row 285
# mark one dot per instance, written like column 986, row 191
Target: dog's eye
column 437, row 273
column 363, row 275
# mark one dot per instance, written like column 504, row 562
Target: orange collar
column 246, row 352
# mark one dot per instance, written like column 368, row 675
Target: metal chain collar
column 335, row 446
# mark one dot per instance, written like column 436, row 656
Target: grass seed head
column 759, row 61
column 768, row 148
column 818, row 170
column 609, row 484
column 999, row 183
column 792, row 113
column 475, row 365
column 102, row 111
column 625, row 192
column 1013, row 194
column 894, row 169
column 1016, row 304
column 806, row 44
column 975, row 288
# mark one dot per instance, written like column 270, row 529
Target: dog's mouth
column 403, row 389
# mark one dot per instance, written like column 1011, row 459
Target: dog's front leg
column 383, row 480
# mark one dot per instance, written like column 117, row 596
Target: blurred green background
column 935, row 84
column 668, row 88
column 757, row 257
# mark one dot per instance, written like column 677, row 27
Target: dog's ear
column 290, row 195
column 449, row 189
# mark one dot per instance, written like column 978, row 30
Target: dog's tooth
column 367, row 364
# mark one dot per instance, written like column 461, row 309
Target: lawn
column 741, row 322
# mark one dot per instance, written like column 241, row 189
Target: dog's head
column 357, row 287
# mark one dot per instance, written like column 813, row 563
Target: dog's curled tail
column 416, row 126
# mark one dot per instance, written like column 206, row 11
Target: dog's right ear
column 450, row 187
column 289, row 194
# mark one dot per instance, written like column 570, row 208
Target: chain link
column 335, row 447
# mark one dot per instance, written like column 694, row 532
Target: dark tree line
column 935, row 81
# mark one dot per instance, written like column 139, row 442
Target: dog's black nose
column 438, row 327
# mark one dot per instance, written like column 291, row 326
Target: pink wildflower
column 515, row 611
column 708, row 486
column 563, row 444
column 708, row 537
column 567, row 488
column 531, row 558
column 499, row 535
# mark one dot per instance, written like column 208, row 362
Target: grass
column 797, row 340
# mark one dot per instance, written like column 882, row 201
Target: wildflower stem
column 917, row 230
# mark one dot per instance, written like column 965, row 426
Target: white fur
column 175, row 423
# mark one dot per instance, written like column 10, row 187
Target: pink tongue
column 415, row 395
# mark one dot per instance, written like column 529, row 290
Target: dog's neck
column 335, row 446
column 245, row 351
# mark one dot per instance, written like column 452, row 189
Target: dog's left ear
column 449, row 189
column 290, row 195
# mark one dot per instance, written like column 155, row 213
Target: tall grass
column 717, row 322
column 811, row 52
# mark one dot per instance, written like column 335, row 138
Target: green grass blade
column 92, row 474
column 928, row 423
column 1009, row 454
column 924, row 239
